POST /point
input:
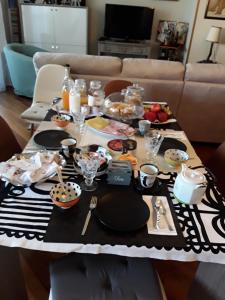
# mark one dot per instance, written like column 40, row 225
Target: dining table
column 30, row 220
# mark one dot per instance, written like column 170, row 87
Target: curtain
column 2, row 44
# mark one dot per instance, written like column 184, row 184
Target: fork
column 92, row 205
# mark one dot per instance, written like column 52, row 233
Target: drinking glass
column 78, row 119
column 153, row 141
column 89, row 169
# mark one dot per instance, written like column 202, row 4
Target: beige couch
column 196, row 95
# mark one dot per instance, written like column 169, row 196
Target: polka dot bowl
column 175, row 157
column 61, row 120
column 65, row 197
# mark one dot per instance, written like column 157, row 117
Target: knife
column 154, row 214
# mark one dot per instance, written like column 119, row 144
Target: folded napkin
column 180, row 135
column 26, row 171
column 164, row 230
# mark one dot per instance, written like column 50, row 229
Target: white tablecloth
column 24, row 217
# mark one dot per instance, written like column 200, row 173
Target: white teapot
column 190, row 186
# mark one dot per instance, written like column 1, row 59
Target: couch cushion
column 213, row 73
column 81, row 64
column 152, row 69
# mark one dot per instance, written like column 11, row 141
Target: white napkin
column 29, row 170
column 163, row 225
column 174, row 134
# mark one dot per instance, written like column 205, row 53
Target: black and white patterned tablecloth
column 25, row 213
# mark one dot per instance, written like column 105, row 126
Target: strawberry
column 156, row 107
column 151, row 116
column 162, row 116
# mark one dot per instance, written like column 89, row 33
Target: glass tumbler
column 153, row 141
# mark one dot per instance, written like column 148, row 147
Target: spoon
column 59, row 173
column 57, row 110
column 162, row 211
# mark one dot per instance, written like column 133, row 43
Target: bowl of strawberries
column 157, row 113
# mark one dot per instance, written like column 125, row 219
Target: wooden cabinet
column 55, row 28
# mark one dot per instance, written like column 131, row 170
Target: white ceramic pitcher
column 190, row 186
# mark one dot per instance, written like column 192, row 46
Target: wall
column 2, row 44
column 182, row 10
column 200, row 47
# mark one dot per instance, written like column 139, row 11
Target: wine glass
column 153, row 141
column 89, row 167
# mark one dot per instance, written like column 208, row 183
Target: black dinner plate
column 121, row 211
column 170, row 143
column 51, row 139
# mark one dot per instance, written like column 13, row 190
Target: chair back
column 8, row 143
column 216, row 164
column 48, row 83
column 208, row 283
column 116, row 86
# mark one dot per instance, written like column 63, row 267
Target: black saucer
column 148, row 191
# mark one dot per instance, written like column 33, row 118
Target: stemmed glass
column 153, row 141
column 89, row 167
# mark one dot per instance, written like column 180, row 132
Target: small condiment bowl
column 65, row 196
column 61, row 120
column 175, row 157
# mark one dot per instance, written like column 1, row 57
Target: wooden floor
column 11, row 107
column 176, row 276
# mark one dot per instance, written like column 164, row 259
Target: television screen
column 128, row 22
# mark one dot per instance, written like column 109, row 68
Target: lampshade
column 213, row 35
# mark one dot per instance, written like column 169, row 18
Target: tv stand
column 122, row 49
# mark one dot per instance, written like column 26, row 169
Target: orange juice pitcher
column 67, row 82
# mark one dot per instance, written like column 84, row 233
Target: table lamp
column 213, row 37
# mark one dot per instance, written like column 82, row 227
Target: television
column 127, row 22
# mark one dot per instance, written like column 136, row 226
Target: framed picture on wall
column 215, row 9
column 172, row 33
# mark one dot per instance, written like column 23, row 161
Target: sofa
column 195, row 92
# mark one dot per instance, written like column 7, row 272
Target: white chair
column 48, row 85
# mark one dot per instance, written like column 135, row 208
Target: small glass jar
column 96, row 94
column 133, row 94
column 81, row 88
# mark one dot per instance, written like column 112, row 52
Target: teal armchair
column 19, row 58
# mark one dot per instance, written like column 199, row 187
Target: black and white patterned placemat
column 25, row 212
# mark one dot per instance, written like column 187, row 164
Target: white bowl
column 175, row 157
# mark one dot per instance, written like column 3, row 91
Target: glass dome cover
column 126, row 105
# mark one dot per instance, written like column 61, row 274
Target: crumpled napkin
column 164, row 230
column 29, row 170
